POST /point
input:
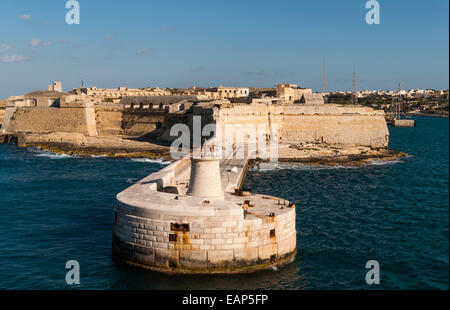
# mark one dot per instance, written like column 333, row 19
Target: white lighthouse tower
column 205, row 180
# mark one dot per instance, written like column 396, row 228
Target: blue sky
column 141, row 43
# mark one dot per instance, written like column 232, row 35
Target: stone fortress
column 49, row 111
column 301, row 116
column 116, row 94
column 219, row 92
column 188, row 217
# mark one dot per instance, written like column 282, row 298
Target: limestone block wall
column 302, row 123
column 109, row 120
column 216, row 239
column 6, row 121
column 2, row 113
column 139, row 122
column 91, row 123
column 343, row 129
column 48, row 119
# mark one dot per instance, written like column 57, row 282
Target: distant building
column 312, row 99
column 215, row 93
column 231, row 92
column 291, row 92
column 55, row 86
column 170, row 104
column 117, row 93
column 37, row 99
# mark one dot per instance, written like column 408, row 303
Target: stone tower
column 55, row 86
column 205, row 178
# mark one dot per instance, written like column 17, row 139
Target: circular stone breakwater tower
column 188, row 218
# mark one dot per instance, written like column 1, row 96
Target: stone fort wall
column 141, row 122
column 301, row 123
column 89, row 121
column 48, row 119
column 295, row 123
column 2, row 114
column 109, row 120
column 213, row 241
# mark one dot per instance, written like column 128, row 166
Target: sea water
column 56, row 208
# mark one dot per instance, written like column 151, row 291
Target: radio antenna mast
column 354, row 86
column 324, row 77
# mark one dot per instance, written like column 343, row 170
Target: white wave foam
column 62, row 156
column 54, row 156
column 153, row 161
column 378, row 162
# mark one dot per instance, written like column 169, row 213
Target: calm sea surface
column 59, row 208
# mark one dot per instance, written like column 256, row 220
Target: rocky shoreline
column 129, row 147
column 350, row 160
column 332, row 154
column 79, row 145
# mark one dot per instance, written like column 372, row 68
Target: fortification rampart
column 137, row 122
column 71, row 118
column 301, row 123
column 294, row 123
column 2, row 114
column 109, row 120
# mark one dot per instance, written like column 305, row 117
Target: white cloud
column 109, row 37
column 4, row 47
column 145, row 51
column 37, row 42
column 12, row 58
column 25, row 17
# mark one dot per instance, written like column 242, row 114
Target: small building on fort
column 55, row 86
column 312, row 99
column 120, row 92
column 219, row 92
column 291, row 92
